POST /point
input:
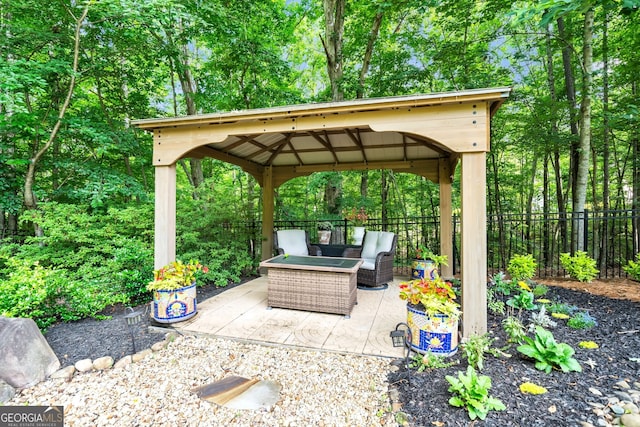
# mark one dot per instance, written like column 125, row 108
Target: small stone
column 586, row 424
column 618, row 410
column 159, row 346
column 596, row 405
column 102, row 363
column 125, row 361
column 612, row 400
column 623, row 396
column 636, row 385
column 602, row 422
column 623, row 385
column 141, row 355
column 595, row 391
column 65, row 373
column 84, row 365
column 630, row 420
column 631, row 408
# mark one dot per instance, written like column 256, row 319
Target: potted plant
column 358, row 217
column 432, row 315
column 426, row 263
column 324, row 232
column 174, row 291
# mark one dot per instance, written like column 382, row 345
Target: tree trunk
column 30, row 201
column 332, row 43
column 366, row 61
column 585, row 130
column 570, row 87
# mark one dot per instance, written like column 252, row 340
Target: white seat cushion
column 374, row 243
column 294, row 242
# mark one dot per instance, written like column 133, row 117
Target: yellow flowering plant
column 175, row 275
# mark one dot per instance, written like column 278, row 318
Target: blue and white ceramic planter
column 423, row 269
column 176, row 305
column 436, row 333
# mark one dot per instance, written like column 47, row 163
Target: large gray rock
column 25, row 356
column 6, row 392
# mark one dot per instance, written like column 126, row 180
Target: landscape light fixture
column 401, row 337
column 133, row 319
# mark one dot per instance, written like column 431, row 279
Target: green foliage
column 579, row 266
column 581, row 320
column 471, row 391
column 112, row 250
column 503, row 286
column 475, row 348
column 48, row 295
column 633, row 268
column 522, row 301
column 429, row 360
column 539, row 290
column 514, row 329
column 495, row 305
column 522, row 267
column 562, row 308
column 549, row 354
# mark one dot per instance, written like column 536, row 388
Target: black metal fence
column 609, row 237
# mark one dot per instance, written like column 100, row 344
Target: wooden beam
column 165, row 216
column 446, row 216
column 267, row 213
column 474, row 244
column 456, row 127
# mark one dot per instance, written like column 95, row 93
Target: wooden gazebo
column 428, row 135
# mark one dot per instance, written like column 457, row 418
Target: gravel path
column 318, row 389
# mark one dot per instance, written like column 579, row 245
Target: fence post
column 585, row 230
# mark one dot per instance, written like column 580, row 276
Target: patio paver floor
column 241, row 313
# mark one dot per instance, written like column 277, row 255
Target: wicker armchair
column 294, row 242
column 378, row 250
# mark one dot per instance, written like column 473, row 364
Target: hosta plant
column 549, row 354
column 471, row 391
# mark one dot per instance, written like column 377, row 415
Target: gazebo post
column 446, row 216
column 474, row 244
column 267, row 213
column 165, row 215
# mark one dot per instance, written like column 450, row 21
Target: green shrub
column 549, row 354
column 522, row 267
column 579, row 266
column 633, row 268
column 471, row 391
column 48, row 295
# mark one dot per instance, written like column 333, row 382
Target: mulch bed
column 425, row 397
